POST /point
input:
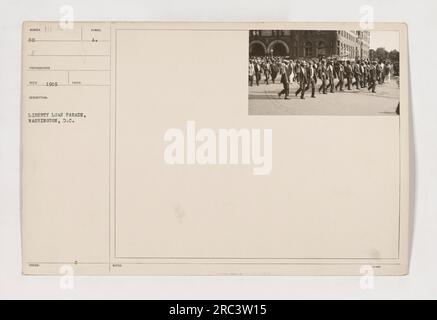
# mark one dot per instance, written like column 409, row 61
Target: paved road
column 264, row 100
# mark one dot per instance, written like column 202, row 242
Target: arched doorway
column 278, row 48
column 257, row 48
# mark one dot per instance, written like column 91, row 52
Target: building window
column 308, row 49
column 321, row 51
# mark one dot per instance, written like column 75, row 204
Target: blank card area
column 333, row 192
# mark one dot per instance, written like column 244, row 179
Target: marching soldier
column 275, row 70
column 330, row 76
column 348, row 72
column 311, row 78
column 251, row 72
column 340, row 75
column 266, row 68
column 373, row 76
column 357, row 75
column 302, row 79
column 258, row 72
column 290, row 71
column 322, row 76
column 378, row 72
column 382, row 66
column 365, row 70
column 285, row 80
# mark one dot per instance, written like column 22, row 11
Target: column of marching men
column 329, row 75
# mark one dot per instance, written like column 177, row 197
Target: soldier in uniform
column 302, row 79
column 330, row 76
column 258, row 72
column 285, row 80
column 348, row 72
column 378, row 72
column 340, row 75
column 322, row 75
column 311, row 78
column 373, row 76
column 251, row 72
column 274, row 70
column 290, row 71
column 296, row 69
column 382, row 67
column 357, row 75
column 266, row 69
column 365, row 72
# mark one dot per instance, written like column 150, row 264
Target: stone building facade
column 310, row 43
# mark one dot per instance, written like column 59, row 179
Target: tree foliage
column 380, row 54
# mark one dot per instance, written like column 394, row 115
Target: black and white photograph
column 324, row 72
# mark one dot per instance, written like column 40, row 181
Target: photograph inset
column 323, row 72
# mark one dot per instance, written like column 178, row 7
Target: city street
column 264, row 100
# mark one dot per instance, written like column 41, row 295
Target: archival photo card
column 154, row 148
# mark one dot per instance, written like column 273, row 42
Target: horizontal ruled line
column 41, row 40
column 65, row 70
column 68, row 55
column 69, row 85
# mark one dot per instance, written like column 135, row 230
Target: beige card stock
column 129, row 164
